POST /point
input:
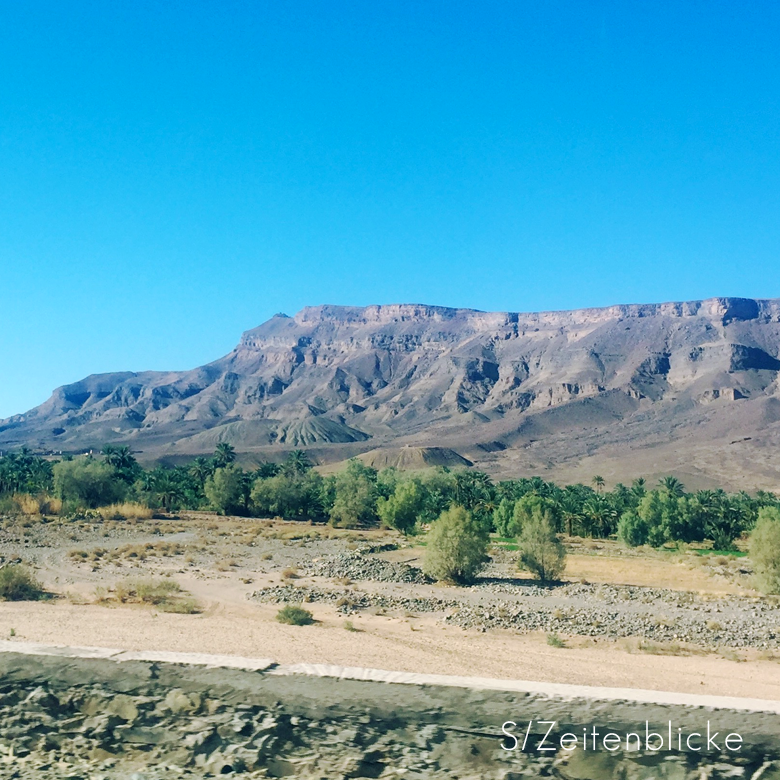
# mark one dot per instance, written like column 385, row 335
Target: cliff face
column 425, row 375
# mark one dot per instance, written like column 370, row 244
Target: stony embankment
column 96, row 719
column 495, row 602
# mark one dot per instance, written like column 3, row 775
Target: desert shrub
column 181, row 605
column 632, row 530
column 294, row 616
column 403, row 507
column 49, row 505
column 87, row 482
column 456, row 547
column 540, row 550
column 7, row 505
column 555, row 641
column 224, row 489
column 165, row 594
column 125, row 511
column 17, row 583
column 764, row 550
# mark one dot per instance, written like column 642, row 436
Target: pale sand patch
column 390, row 643
column 674, row 573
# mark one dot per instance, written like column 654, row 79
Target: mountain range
column 685, row 388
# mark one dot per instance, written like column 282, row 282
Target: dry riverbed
column 662, row 621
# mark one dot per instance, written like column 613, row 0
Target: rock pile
column 356, row 565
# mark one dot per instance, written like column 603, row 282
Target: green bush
column 224, row 489
column 404, row 507
column 632, row 530
column 291, row 495
column 294, row 616
column 555, row 641
column 764, row 550
column 541, row 551
column 456, row 547
column 87, row 482
column 355, row 496
column 17, row 583
column 527, row 507
column 503, row 518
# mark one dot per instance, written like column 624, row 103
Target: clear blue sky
column 173, row 173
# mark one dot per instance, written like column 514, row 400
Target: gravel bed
column 350, row 601
column 584, row 610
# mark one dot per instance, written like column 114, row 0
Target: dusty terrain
column 663, row 621
column 684, row 388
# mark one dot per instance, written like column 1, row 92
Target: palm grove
column 461, row 508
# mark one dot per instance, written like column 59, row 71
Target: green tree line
column 361, row 496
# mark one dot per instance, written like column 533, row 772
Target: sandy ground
column 230, row 623
column 403, row 644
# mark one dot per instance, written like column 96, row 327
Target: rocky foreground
column 101, row 720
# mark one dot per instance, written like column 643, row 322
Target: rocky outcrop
column 337, row 377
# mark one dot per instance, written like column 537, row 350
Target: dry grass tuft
column 667, row 648
column 167, row 595
column 43, row 504
column 128, row 510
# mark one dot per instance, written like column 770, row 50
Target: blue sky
column 173, row 173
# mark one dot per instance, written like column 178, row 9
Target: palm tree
column 707, row 499
column 598, row 483
column 594, row 515
column 122, row 461
column 224, row 455
column 672, row 486
column 570, row 509
column 297, row 462
column 266, row 470
column 201, row 469
column 168, row 490
column 473, row 489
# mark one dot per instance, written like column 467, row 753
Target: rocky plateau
column 686, row 388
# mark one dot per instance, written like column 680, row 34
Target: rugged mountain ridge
column 549, row 391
